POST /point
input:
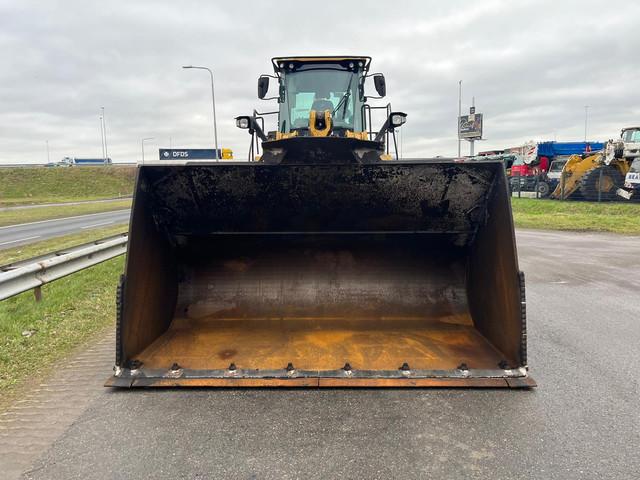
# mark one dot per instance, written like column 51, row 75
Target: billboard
column 188, row 154
column 470, row 126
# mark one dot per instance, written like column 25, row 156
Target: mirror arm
column 385, row 127
column 254, row 127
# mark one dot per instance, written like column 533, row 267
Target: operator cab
column 631, row 135
column 332, row 84
column 322, row 114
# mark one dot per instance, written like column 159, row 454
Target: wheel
column 601, row 183
column 543, row 189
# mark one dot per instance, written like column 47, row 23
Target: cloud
column 531, row 66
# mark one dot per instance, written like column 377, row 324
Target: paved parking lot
column 582, row 421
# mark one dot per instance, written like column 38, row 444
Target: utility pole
column 459, row 113
column 48, row 157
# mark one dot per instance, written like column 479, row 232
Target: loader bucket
column 389, row 274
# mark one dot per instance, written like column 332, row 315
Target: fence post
column 600, row 186
column 519, row 185
column 562, row 177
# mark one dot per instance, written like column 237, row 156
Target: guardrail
column 30, row 274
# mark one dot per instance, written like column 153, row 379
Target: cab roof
column 318, row 60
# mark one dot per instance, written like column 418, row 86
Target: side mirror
column 263, row 87
column 380, row 84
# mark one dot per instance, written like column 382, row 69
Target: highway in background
column 24, row 233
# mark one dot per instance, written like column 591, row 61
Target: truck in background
column 79, row 162
column 538, row 167
column 600, row 175
column 629, row 143
column 631, row 188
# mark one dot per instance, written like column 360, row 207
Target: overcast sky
column 531, row 65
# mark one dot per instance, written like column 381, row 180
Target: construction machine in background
column 323, row 263
column 600, row 175
column 532, row 171
column 632, row 182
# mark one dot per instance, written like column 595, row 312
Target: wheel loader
column 324, row 260
column 599, row 175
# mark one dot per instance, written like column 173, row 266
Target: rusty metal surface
column 320, row 344
column 332, row 276
column 331, row 383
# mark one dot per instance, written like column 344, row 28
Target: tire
column 590, row 186
column 543, row 189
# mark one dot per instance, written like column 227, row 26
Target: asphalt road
column 16, row 235
column 582, row 422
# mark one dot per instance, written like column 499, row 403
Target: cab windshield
column 635, row 166
column 631, row 136
column 557, row 165
column 320, row 89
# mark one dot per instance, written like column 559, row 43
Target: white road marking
column 96, row 225
column 20, row 240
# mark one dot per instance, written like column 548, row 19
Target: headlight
column 242, row 122
column 398, row 119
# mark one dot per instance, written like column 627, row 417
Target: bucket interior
column 263, row 293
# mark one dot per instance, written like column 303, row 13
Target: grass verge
column 615, row 217
column 35, row 335
column 44, row 185
column 13, row 217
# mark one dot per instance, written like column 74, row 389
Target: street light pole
column 104, row 133
column 142, row 145
column 586, row 114
column 213, row 104
column 459, row 113
column 102, row 137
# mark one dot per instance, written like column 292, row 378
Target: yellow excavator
column 599, row 175
column 324, row 260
